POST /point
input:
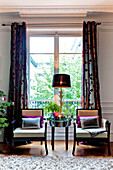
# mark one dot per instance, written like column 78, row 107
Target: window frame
column 56, row 35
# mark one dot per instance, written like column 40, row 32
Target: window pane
column 41, row 75
column 72, row 65
column 70, row 45
column 41, row 44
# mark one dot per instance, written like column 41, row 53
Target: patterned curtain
column 90, row 83
column 18, row 78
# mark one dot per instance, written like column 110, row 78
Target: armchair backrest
column 87, row 112
column 32, row 112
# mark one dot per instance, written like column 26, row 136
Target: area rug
column 55, row 163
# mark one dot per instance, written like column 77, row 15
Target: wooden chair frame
column 21, row 139
column 92, row 140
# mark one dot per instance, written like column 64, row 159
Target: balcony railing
column 69, row 106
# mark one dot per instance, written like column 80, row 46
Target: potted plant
column 3, row 107
column 53, row 109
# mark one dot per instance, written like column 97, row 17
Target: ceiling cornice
column 55, row 10
column 53, row 7
column 57, row 6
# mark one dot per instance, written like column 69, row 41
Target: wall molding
column 5, row 29
column 107, row 107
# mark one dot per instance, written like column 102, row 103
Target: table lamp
column 61, row 81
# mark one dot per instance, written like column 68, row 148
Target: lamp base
column 61, row 101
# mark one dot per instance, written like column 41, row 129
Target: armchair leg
column 41, row 142
column 46, row 147
column 109, row 152
column 74, row 147
column 12, row 144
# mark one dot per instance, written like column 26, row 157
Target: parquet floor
column 36, row 149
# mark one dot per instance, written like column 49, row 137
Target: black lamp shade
column 61, row 81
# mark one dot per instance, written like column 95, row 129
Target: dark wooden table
column 60, row 123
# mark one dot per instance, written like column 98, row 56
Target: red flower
column 56, row 114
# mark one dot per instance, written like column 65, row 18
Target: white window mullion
column 56, row 65
column 28, row 53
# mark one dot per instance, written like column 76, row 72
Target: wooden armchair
column 29, row 132
column 91, row 134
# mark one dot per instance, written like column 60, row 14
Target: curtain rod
column 50, row 24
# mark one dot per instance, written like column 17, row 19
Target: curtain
column 90, row 80
column 18, row 76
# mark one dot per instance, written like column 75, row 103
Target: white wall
column 4, row 59
column 4, row 63
column 105, row 60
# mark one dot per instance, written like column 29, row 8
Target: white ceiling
column 56, row 7
column 55, row 2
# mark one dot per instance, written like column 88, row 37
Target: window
column 70, row 62
column 41, row 67
column 51, row 54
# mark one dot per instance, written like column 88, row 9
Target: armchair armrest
column 13, row 124
column 106, row 124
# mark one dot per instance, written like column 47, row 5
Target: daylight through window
column 44, row 53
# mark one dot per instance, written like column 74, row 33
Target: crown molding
column 56, row 8
column 56, row 11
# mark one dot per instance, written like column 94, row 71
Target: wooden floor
column 36, row 149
